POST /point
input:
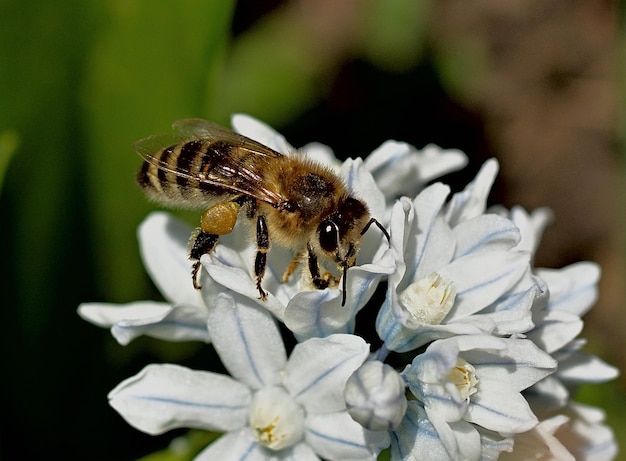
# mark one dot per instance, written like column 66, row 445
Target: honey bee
column 289, row 199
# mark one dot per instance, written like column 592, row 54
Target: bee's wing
column 236, row 175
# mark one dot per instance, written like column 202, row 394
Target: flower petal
column 164, row 397
column 106, row 315
column 499, row 408
column 472, row 201
column 247, row 340
column 554, row 329
column 547, row 396
column 540, row 443
column 337, row 437
column 239, row 445
column 512, row 311
column 158, row 320
column 421, row 241
column 361, row 183
column 586, row 437
column 435, row 162
column 323, row 154
column 318, row 369
column 229, row 268
column 319, row 313
column 242, row 446
column 573, row 288
column 400, row 169
column 260, row 132
column 163, row 245
column 481, row 278
column 400, row 339
column 531, row 226
column 484, row 231
column 521, row 365
column 434, row 240
column 586, row 368
column 417, row 439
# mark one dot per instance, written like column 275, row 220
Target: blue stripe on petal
column 487, row 239
column 338, row 440
column 573, row 295
column 320, row 378
column 128, row 325
column 187, row 403
column 246, row 344
column 486, row 283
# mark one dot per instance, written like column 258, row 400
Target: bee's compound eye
column 329, row 236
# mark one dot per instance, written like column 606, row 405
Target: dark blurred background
column 536, row 84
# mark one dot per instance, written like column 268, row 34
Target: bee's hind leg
column 217, row 220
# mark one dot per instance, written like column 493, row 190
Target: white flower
column 163, row 245
column 472, row 381
column 458, row 271
column 271, row 407
column 488, row 328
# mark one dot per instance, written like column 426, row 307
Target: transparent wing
column 236, row 162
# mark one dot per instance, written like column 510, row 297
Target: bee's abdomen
column 175, row 175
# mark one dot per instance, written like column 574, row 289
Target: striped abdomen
column 192, row 174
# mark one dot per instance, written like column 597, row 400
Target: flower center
column 428, row 300
column 276, row 419
column 463, row 376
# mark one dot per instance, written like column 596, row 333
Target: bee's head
column 339, row 235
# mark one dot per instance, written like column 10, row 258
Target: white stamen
column 428, row 300
column 463, row 376
column 276, row 419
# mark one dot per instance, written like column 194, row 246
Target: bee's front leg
column 263, row 246
column 314, row 269
column 217, row 220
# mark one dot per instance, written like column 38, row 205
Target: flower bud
column 375, row 397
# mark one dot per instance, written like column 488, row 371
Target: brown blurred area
column 541, row 93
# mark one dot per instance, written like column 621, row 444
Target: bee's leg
column 263, row 246
column 215, row 221
column 314, row 269
column 200, row 243
column 292, row 265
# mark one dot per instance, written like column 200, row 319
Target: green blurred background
column 536, row 84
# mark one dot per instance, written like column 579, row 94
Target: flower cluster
column 476, row 351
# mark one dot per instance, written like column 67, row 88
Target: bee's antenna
column 345, row 285
column 379, row 225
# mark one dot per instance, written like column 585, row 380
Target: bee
column 290, row 200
